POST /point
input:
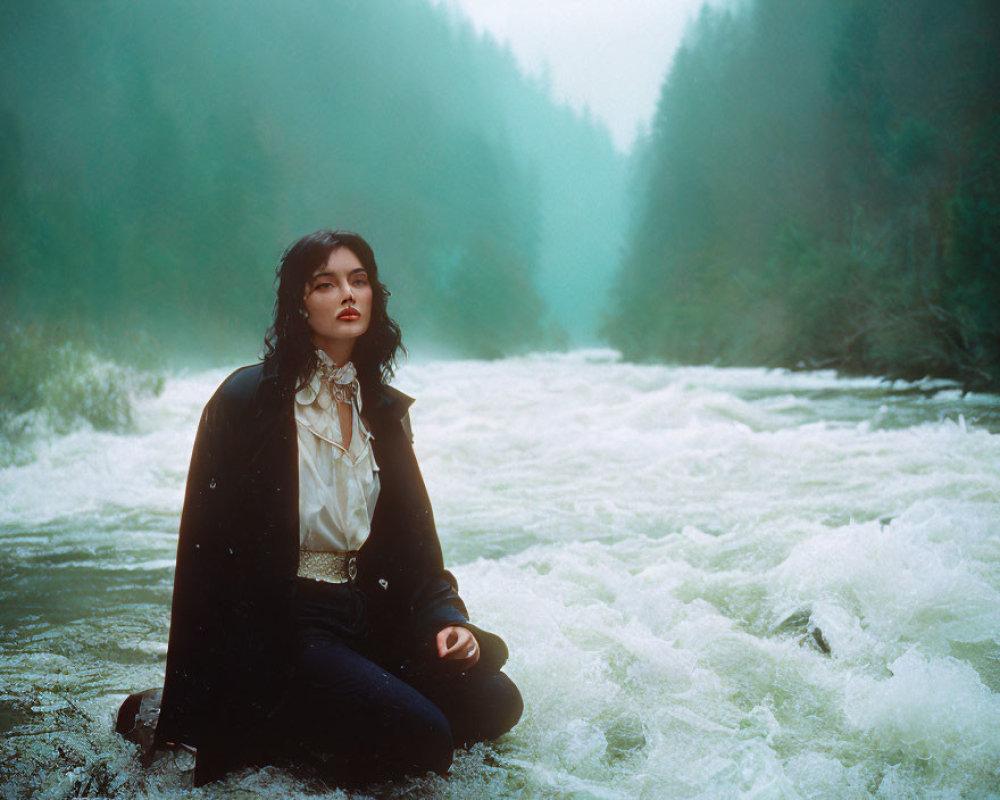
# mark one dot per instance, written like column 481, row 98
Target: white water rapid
column 714, row 583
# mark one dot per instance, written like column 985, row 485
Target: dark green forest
column 158, row 156
column 821, row 188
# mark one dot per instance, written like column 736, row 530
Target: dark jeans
column 362, row 716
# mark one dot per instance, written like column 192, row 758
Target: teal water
column 714, row 583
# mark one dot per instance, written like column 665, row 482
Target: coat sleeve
column 437, row 605
column 434, row 599
column 191, row 690
column 230, row 642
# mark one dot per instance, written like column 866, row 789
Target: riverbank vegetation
column 822, row 188
column 54, row 378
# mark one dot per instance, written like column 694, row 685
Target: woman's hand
column 457, row 645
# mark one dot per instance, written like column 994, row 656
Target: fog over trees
column 819, row 188
column 822, row 188
column 158, row 156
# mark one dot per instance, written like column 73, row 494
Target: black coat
column 231, row 629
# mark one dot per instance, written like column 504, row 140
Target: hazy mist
column 157, row 158
column 822, row 188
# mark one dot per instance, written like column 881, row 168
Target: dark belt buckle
column 352, row 567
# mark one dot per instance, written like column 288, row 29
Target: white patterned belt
column 330, row 566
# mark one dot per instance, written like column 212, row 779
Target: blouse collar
column 319, row 388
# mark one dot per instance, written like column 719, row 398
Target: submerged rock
column 800, row 625
column 820, row 640
column 137, row 720
column 625, row 735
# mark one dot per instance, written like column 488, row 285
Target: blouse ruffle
column 338, row 486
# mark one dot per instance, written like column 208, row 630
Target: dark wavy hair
column 289, row 339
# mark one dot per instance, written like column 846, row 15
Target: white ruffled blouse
column 338, row 487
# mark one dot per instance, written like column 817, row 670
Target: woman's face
column 338, row 300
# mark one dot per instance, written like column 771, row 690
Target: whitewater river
column 714, row 583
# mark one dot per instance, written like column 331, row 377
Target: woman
column 312, row 617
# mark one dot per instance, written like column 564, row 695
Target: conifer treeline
column 822, row 187
column 157, row 156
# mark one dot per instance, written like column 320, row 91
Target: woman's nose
column 348, row 294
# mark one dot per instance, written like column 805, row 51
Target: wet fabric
column 355, row 710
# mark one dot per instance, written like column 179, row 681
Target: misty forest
column 819, row 189
column 822, row 188
column 158, row 157
column 711, row 427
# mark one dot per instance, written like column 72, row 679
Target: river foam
column 714, row 582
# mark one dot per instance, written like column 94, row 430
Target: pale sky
column 608, row 55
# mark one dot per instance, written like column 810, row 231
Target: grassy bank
column 52, row 382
